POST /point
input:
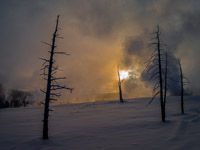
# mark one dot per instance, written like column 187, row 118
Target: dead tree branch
column 49, row 70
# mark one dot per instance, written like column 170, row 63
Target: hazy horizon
column 99, row 36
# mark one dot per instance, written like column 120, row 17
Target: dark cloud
column 94, row 32
column 179, row 31
column 134, row 46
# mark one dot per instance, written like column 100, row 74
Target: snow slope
column 104, row 126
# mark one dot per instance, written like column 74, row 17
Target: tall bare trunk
column 48, row 88
column 166, row 71
column 182, row 89
column 160, row 76
column 120, row 88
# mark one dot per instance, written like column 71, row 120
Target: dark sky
column 99, row 35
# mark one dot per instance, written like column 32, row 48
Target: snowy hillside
column 104, row 126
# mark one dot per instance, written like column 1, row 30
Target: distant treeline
column 14, row 98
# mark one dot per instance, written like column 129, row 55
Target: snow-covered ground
column 104, row 126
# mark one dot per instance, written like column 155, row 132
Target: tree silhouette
column 166, row 77
column 155, row 68
column 49, row 71
column 182, row 83
column 19, row 98
column 120, row 87
column 2, row 96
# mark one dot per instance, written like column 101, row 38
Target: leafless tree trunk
column 166, row 78
column 52, row 84
column 155, row 67
column 182, row 88
column 160, row 76
column 120, row 89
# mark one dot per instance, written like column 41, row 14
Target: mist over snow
column 99, row 35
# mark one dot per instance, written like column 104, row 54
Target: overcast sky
column 99, row 35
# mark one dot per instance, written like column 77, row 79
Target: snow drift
column 106, row 125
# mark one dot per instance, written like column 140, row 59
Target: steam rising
column 99, row 35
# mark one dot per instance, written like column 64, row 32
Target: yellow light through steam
column 124, row 74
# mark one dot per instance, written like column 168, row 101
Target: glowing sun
column 124, row 74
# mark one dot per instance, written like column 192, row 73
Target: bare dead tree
column 182, row 83
column 2, row 96
column 155, row 68
column 166, row 77
column 120, row 88
column 49, row 70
